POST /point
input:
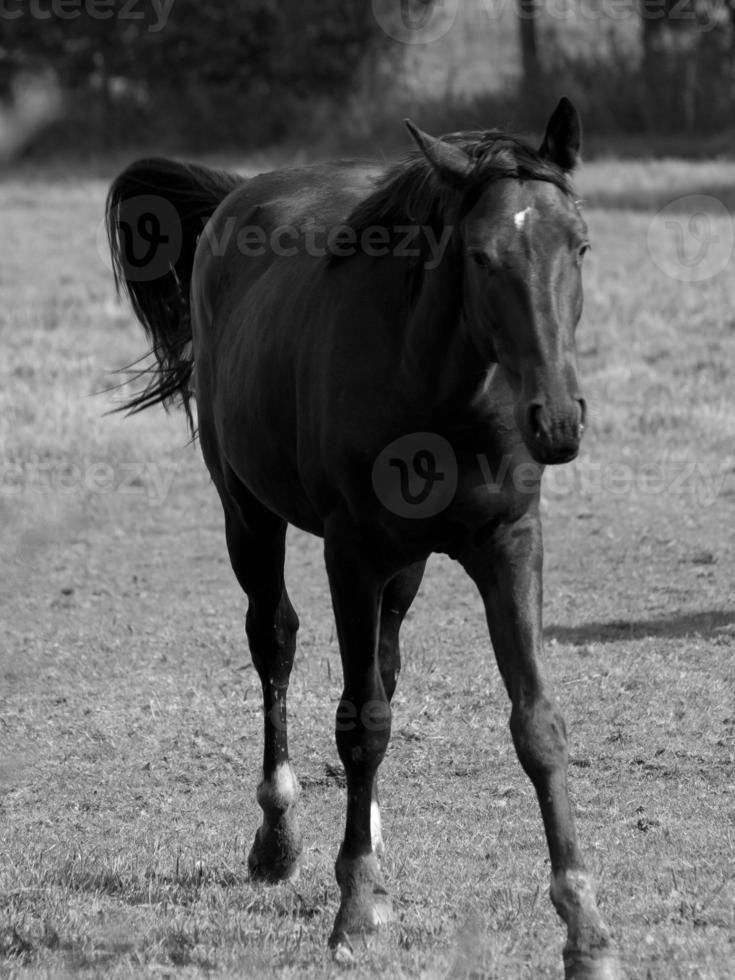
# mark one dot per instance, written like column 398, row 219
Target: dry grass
column 129, row 713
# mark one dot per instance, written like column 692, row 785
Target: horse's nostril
column 535, row 418
column 582, row 417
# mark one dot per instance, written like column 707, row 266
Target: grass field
column 130, row 733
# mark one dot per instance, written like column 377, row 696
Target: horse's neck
column 441, row 367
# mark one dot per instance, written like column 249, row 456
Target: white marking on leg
column 281, row 791
column 573, row 894
column 376, row 830
column 520, row 218
column 284, row 781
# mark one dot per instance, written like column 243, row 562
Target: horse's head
column 523, row 239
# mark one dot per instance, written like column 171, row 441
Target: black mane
column 411, row 192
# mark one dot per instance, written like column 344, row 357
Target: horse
column 363, row 345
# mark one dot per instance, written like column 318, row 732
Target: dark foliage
column 240, row 73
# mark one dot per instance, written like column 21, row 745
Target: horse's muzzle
column 553, row 435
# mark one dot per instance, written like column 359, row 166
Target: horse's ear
column 449, row 161
column 563, row 139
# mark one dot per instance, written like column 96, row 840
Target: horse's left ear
column 563, row 139
column 449, row 161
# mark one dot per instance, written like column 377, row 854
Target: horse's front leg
column 507, row 569
column 362, row 731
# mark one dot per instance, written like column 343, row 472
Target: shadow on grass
column 703, row 624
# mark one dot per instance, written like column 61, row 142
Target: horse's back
column 255, row 273
column 284, row 214
column 323, row 193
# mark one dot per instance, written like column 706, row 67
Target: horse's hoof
column 587, row 966
column 382, row 910
column 341, row 948
column 361, row 915
column 270, row 864
column 358, row 920
column 272, row 874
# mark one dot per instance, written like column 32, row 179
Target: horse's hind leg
column 256, row 544
column 398, row 595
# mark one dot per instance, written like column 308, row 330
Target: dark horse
column 365, row 347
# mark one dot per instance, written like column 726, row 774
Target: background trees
column 250, row 73
column 229, row 73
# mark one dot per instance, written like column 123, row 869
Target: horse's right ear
column 449, row 161
column 563, row 137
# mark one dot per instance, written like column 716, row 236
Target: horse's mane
column 411, row 192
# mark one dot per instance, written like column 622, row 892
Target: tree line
column 234, row 72
column 249, row 73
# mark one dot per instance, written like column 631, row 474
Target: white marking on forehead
column 520, row 218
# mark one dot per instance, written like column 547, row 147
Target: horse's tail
column 156, row 210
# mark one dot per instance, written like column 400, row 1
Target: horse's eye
column 583, row 250
column 481, row 259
